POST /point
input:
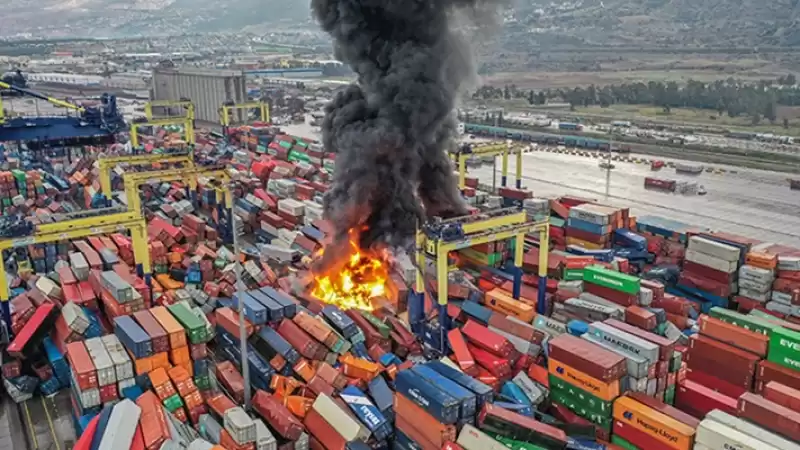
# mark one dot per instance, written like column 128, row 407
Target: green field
column 690, row 116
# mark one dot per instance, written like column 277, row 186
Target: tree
column 541, row 99
column 786, row 122
column 507, row 93
column 771, row 111
column 791, row 80
column 531, row 97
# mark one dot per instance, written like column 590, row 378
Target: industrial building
column 208, row 89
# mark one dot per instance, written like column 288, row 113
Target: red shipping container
column 154, row 330
column 713, row 382
column 462, row 355
column 770, row 415
column 485, row 339
column 727, row 356
column 727, row 333
column 231, row 379
column 277, row 416
column 708, row 273
column 691, row 396
column 82, row 366
column 782, row 395
column 613, row 295
column 323, row 431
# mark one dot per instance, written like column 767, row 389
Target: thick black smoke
column 390, row 130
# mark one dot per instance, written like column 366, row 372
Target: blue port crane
column 92, row 125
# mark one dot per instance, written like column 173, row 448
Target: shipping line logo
column 658, row 431
column 789, row 344
column 608, row 280
column 585, row 383
column 618, row 343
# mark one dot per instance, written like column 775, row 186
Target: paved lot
column 757, row 204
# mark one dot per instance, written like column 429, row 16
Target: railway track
column 47, row 422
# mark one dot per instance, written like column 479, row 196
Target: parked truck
column 660, row 184
column 656, row 164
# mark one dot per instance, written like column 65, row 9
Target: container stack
column 585, row 378
column 711, row 271
column 590, row 226
column 641, row 422
column 785, row 297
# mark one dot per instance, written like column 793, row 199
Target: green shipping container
column 586, row 400
column 616, row 440
column 751, row 323
column 284, row 144
column 514, row 444
column 613, row 280
column 579, row 409
column 173, row 402
column 573, row 274
column 194, row 327
column 784, row 348
column 669, row 395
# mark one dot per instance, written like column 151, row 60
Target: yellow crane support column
column 442, row 237
column 106, row 163
column 78, row 228
column 483, row 150
column 187, row 123
column 225, row 111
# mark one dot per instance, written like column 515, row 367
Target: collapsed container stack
column 618, row 358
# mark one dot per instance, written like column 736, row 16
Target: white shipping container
column 755, row 295
column 80, row 267
column 106, row 373
column 788, row 262
column 49, row 287
column 302, row 442
column 789, row 310
column 240, row 426
column 198, row 444
column 291, row 206
column 124, row 384
column 645, row 296
column 755, row 286
column 756, row 274
column 89, row 398
column 588, row 215
column 344, row 424
column 711, row 261
column 714, row 248
column 121, row 426
column 717, row 436
column 264, row 438
column 75, row 317
column 472, row 438
column 781, row 297
column 753, row 430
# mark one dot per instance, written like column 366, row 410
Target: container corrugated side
column 123, row 366
column 121, row 426
column 240, row 426
column 106, row 373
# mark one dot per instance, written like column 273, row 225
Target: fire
column 355, row 282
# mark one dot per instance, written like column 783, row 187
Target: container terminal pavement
column 531, row 323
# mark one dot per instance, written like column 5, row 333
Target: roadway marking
column 28, row 419
column 50, row 421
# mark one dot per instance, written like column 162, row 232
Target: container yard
column 164, row 296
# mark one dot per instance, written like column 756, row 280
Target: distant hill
column 136, row 17
column 664, row 22
column 531, row 23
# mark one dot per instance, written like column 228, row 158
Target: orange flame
column 355, row 283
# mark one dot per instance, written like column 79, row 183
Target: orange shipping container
column 152, row 420
column 500, row 301
column 177, row 335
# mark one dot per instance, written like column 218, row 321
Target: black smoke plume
column 390, row 130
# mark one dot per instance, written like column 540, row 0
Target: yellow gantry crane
column 464, row 153
column 77, row 228
column 106, row 163
column 185, row 122
column 189, row 175
column 226, row 111
column 438, row 238
column 183, row 104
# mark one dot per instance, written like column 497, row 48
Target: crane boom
column 52, row 100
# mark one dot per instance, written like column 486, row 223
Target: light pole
column 240, row 288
